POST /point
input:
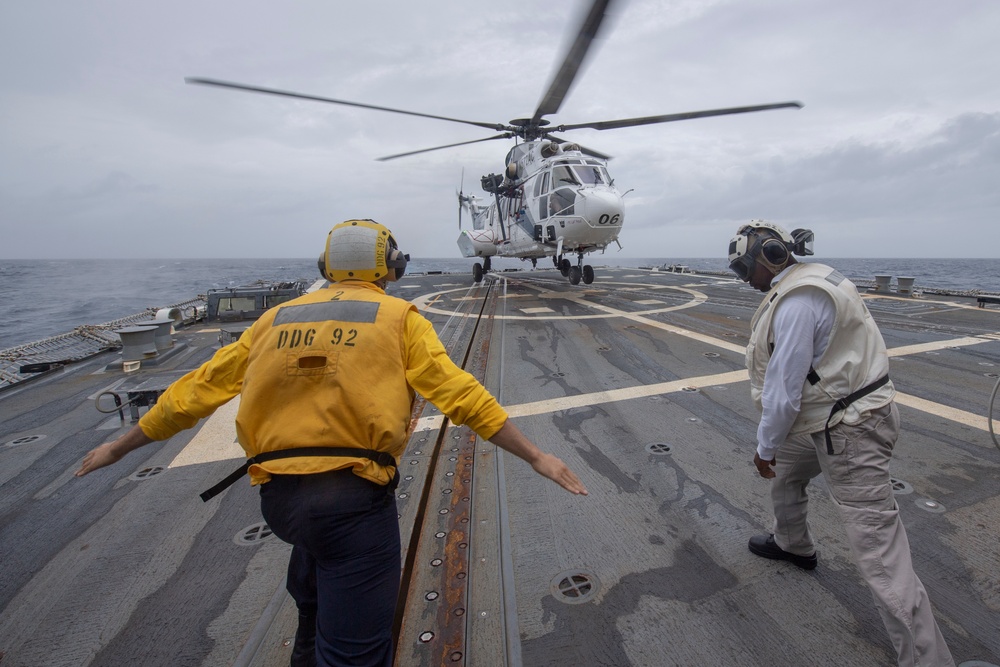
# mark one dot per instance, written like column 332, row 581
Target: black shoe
column 763, row 545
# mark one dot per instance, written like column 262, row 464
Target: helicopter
column 554, row 198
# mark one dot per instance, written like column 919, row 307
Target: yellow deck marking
column 954, row 305
column 907, row 350
column 216, row 441
column 938, row 410
column 628, row 393
column 425, row 423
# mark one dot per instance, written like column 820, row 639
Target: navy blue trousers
column 345, row 567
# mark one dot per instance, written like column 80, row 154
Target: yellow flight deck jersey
column 333, row 368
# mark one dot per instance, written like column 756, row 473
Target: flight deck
column 637, row 381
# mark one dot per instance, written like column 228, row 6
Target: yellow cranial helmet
column 361, row 250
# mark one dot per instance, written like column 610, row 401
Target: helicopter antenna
column 461, row 198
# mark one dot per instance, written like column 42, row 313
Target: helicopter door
column 561, row 201
column 543, row 198
column 517, row 211
column 564, row 182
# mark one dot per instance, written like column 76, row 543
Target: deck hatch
column 574, row 586
column 658, row 448
column 899, row 487
column 253, row 534
column 24, row 440
column 146, row 473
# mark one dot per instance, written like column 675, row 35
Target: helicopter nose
column 601, row 208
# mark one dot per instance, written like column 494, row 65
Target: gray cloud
column 105, row 152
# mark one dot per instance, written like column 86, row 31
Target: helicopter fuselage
column 552, row 199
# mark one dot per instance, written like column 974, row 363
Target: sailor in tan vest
column 327, row 383
column 819, row 375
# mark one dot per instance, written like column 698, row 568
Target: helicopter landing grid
column 637, row 382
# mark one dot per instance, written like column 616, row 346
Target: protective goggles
column 743, row 267
column 773, row 251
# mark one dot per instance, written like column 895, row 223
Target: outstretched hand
column 552, row 467
column 98, row 457
column 110, row 452
column 510, row 438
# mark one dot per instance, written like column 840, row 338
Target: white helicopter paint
column 554, row 198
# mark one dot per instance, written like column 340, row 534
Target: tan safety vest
column 855, row 356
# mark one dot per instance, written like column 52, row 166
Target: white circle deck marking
column 424, row 302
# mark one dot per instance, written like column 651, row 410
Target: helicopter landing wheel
column 486, row 264
column 574, row 275
column 588, row 274
column 477, row 272
column 564, row 266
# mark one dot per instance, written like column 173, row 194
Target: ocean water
column 42, row 298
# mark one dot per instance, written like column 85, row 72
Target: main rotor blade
column 506, row 135
column 574, row 59
column 650, row 120
column 316, row 98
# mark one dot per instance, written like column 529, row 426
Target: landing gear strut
column 479, row 269
column 576, row 273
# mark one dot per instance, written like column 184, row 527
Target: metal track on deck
column 437, row 517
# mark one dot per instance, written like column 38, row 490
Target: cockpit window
column 564, row 176
column 592, row 175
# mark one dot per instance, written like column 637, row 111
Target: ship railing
column 26, row 361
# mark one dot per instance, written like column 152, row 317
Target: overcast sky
column 106, row 152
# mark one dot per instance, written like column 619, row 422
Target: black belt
column 844, row 402
column 384, row 459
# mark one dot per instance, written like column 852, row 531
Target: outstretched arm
column 110, row 452
column 510, row 438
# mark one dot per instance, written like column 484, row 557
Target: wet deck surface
column 637, row 382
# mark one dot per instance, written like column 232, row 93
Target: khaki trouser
column 858, row 476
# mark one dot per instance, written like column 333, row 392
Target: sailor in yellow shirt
column 327, row 383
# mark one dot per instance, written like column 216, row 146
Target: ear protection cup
column 767, row 243
column 395, row 260
column 774, row 251
column 321, row 263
